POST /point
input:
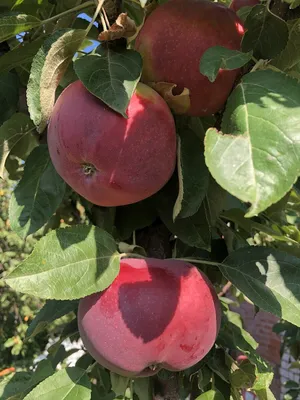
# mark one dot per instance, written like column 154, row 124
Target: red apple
column 235, row 5
column 172, row 42
column 156, row 314
column 108, row 159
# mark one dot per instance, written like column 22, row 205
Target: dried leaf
column 179, row 103
column 123, row 27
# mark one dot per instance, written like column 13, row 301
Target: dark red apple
column 172, row 42
column 156, row 314
column 236, row 5
column 108, row 159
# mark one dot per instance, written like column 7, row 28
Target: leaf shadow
column 79, row 237
column 163, row 289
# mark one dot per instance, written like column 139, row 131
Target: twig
column 225, row 289
column 106, row 17
column 98, row 9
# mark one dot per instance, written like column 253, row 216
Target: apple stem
column 91, row 367
column 103, row 23
column 131, row 255
column 98, row 9
column 258, row 65
column 106, row 17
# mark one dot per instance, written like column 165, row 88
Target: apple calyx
column 89, row 169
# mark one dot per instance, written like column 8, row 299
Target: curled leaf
column 179, row 103
column 123, row 27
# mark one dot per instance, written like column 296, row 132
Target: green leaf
column 13, row 23
column 84, row 361
column 25, row 145
column 259, row 153
column 293, row 3
column 214, row 202
column 43, row 370
column 261, row 25
column 48, row 67
column 5, row 5
column 289, row 59
column 68, row 264
column 33, row 88
column 103, row 217
column 193, row 231
column 192, row 173
column 143, row 388
column 13, row 385
column 131, row 249
column 217, row 363
column 56, row 63
column 52, row 310
column 111, row 75
column 265, row 394
column 134, row 11
column 21, row 55
column 134, row 216
column 66, row 384
column 9, row 95
column 218, row 57
column 119, row 383
column 211, row 395
column 81, row 23
column 243, row 12
column 182, row 250
column 57, row 351
column 250, row 226
column 12, row 132
column 204, row 377
column 244, row 376
column 109, row 396
column 223, row 387
column 64, row 5
column 38, row 194
column 233, row 336
column 267, row 277
column 32, row 7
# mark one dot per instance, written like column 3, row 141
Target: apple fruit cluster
column 157, row 313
